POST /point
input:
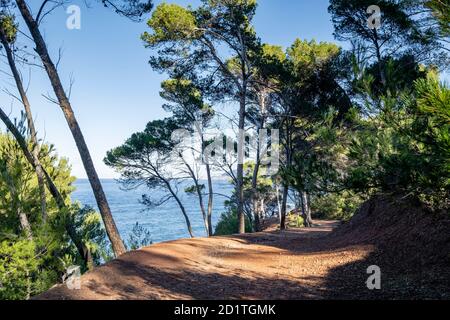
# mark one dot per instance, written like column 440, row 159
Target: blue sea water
column 165, row 222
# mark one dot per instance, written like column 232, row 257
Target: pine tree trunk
column 210, row 200
column 284, row 207
column 210, row 181
column 25, row 225
column 306, row 210
column 182, row 208
column 199, row 194
column 31, row 127
column 240, row 166
column 255, row 200
column 81, row 247
column 41, row 48
column 379, row 59
column 278, row 201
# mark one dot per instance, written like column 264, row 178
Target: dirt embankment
column 410, row 244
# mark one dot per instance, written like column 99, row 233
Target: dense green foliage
column 441, row 10
column 30, row 265
column 406, row 150
column 228, row 224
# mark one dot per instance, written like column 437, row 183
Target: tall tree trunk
column 240, row 166
column 289, row 151
column 182, row 208
column 278, row 201
column 202, row 208
column 186, row 217
column 379, row 59
column 306, row 210
column 210, row 200
column 256, row 214
column 199, row 194
column 255, row 201
column 31, row 127
column 210, row 182
column 41, row 48
column 284, row 207
column 83, row 250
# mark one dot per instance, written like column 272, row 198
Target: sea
column 165, row 222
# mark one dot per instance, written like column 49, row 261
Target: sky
column 114, row 91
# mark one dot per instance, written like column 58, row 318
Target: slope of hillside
column 408, row 243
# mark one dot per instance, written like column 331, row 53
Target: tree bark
column 255, row 201
column 210, row 182
column 277, row 188
column 31, row 127
column 25, row 224
column 83, row 250
column 210, row 200
column 289, row 151
column 240, row 165
column 199, row 194
column 183, row 210
column 379, row 58
column 102, row 202
column 306, row 210
column 284, row 207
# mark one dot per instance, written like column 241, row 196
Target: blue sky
column 115, row 91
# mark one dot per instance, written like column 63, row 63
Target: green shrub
column 18, row 269
column 229, row 223
column 295, row 221
column 336, row 206
column 139, row 237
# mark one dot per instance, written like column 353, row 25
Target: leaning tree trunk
column 31, row 127
column 199, row 194
column 182, row 208
column 105, row 211
column 83, row 250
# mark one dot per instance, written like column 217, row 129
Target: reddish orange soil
column 311, row 263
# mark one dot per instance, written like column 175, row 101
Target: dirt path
column 296, row 264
